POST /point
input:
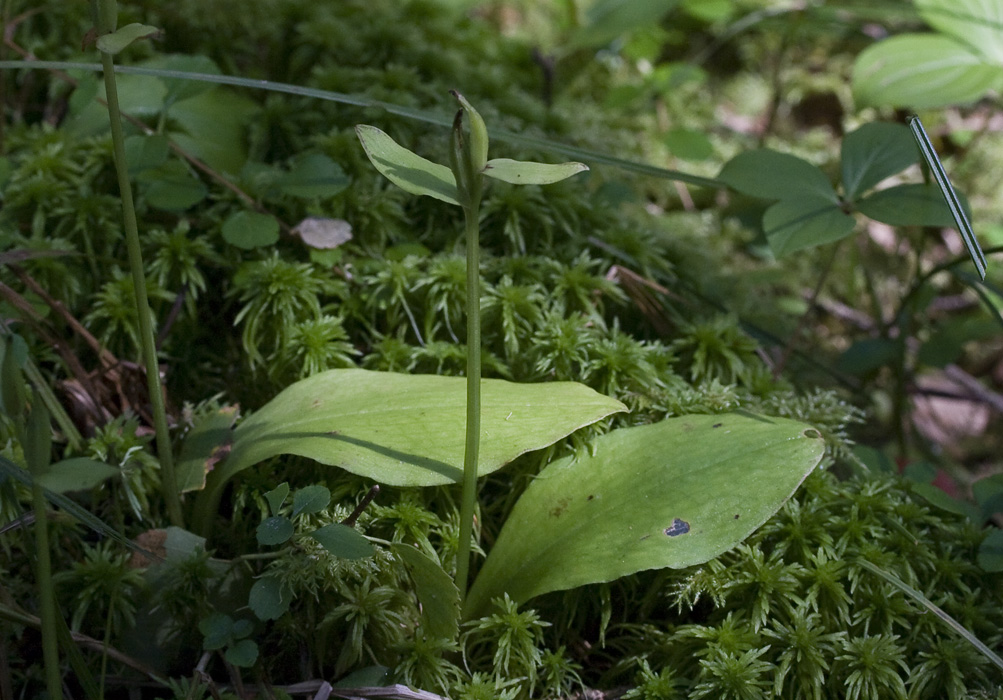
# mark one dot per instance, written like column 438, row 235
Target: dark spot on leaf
column 559, row 509
column 736, row 516
column 678, row 527
column 717, row 425
column 645, row 537
column 591, row 496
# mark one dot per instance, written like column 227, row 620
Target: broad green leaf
column 183, row 88
column 874, row 152
column 311, row 499
column 267, row 599
column 76, row 474
column 205, row 445
column 672, row 494
column 407, row 430
column 249, row 230
column 217, row 630
column 343, row 541
column 915, row 204
column 438, row 595
column 121, row 38
column 407, row 169
column 769, row 174
column 977, row 23
column 689, row 144
column 211, row 126
column 921, row 71
column 312, row 176
column 868, row 355
column 172, row 187
column 805, row 222
column 608, row 19
column 519, row 172
column 277, row 496
column 144, row 152
column 274, row 530
column 990, row 556
column 988, row 493
column 242, row 653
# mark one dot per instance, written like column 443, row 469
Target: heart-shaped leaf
column 672, row 494
column 405, row 168
column 873, row 152
column 518, row 172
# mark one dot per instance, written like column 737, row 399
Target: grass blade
column 925, row 602
column 940, row 175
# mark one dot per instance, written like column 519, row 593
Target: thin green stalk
column 148, row 347
column 471, row 214
column 47, row 597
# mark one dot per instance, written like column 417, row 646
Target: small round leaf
column 249, row 230
column 274, row 530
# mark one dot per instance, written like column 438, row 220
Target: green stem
column 47, row 596
column 471, row 215
column 148, row 348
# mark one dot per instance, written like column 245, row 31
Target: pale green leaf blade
column 805, row 222
column 672, row 494
column 519, row 172
column 921, row 71
column 118, row 40
column 977, row 23
column 769, row 174
column 874, row 152
column 407, row 169
column 438, row 595
column 408, row 430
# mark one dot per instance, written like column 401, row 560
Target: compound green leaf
column 672, row 494
column 769, row 174
column 977, row 23
column 874, row 152
column 405, row 168
column 267, row 598
column 407, row 430
column 172, row 187
column 519, row 172
column 805, row 222
column 915, row 204
column 275, row 530
column 921, row 71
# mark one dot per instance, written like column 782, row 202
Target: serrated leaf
column 436, row 592
column 343, row 541
column 519, row 172
column 805, row 222
column 408, row 430
column 275, row 530
column 250, row 230
column 76, row 474
column 914, row 204
column 118, row 40
column 921, row 71
column 266, row 599
column 769, row 174
column 672, row 494
column 874, row 152
column 311, row 499
column 407, row 169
